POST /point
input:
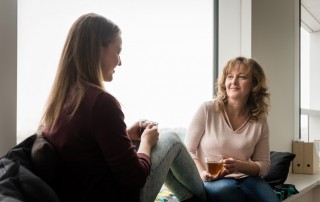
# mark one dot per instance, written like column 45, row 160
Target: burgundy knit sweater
column 98, row 160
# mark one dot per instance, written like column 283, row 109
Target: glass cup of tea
column 214, row 163
column 143, row 123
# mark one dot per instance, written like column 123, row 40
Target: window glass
column 305, row 68
column 167, row 66
column 305, row 83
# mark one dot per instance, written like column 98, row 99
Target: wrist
column 144, row 148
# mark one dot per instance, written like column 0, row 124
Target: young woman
column 85, row 125
column 234, row 125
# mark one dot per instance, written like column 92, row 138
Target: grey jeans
column 172, row 166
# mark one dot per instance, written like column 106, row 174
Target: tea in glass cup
column 214, row 164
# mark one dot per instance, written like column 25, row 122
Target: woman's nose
column 235, row 80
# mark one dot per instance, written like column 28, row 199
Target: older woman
column 234, row 125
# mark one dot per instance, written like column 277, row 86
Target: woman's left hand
column 231, row 165
column 134, row 131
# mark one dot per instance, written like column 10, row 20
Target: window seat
column 307, row 185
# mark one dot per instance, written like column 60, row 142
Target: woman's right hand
column 208, row 177
column 149, row 138
column 150, row 135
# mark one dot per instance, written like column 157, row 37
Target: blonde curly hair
column 259, row 98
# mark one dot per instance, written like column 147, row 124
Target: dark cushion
column 35, row 189
column 9, row 182
column 19, row 184
column 22, row 152
column 279, row 167
column 45, row 161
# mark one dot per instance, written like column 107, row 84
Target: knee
column 171, row 137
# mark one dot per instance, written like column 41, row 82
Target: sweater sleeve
column 128, row 168
column 195, row 131
column 261, row 154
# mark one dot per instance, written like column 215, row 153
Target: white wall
column 8, row 74
column 229, row 31
column 275, row 44
column 234, row 30
column 246, row 30
column 273, row 30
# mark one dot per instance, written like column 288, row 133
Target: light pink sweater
column 210, row 133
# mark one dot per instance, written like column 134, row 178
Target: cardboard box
column 297, row 163
column 310, row 158
column 307, row 159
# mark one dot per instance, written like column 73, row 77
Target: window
column 167, row 65
column 310, row 108
column 305, row 85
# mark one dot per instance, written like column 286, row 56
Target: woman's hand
column 134, row 131
column 149, row 138
column 231, row 165
column 208, row 177
column 150, row 135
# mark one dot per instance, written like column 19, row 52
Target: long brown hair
column 259, row 98
column 79, row 65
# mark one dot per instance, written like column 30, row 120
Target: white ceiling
column 310, row 15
